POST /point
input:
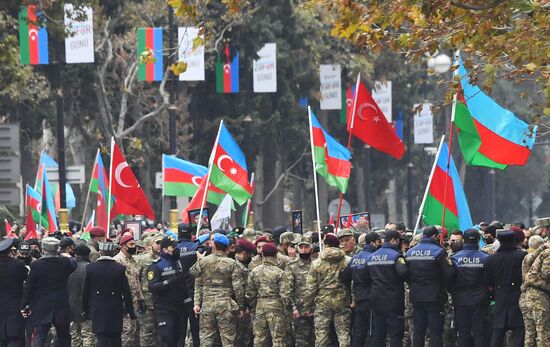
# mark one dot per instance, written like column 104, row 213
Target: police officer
column 426, row 263
column 466, row 275
column 388, row 269
column 170, row 294
column 361, row 288
column 12, row 275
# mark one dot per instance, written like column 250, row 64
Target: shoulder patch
column 401, row 260
column 156, row 260
column 150, row 275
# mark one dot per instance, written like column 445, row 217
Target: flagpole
column 88, row 195
column 428, row 185
column 107, row 232
column 248, row 203
column 162, row 202
column 353, row 111
column 315, row 178
column 210, row 161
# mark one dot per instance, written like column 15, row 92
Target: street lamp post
column 173, row 215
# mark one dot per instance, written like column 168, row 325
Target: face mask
column 457, row 246
column 304, row 256
column 35, row 253
column 132, row 250
column 26, row 260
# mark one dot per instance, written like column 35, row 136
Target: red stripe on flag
column 33, row 35
column 226, row 70
column 338, row 167
column 318, row 137
column 150, row 44
column 498, row 149
column 178, row 176
column 437, row 190
column 232, row 169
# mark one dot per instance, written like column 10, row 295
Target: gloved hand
column 141, row 307
column 176, row 254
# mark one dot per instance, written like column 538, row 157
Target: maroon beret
column 246, row 245
column 262, row 239
column 97, row 231
column 332, row 240
column 126, row 237
column 269, row 250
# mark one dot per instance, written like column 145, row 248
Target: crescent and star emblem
column 118, row 171
column 220, row 160
column 100, row 197
column 33, row 34
column 39, row 206
column 364, row 106
column 226, row 68
column 195, row 180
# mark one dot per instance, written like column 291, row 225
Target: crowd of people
column 487, row 286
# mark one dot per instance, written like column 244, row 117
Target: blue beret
column 203, row 238
column 171, row 234
column 221, row 239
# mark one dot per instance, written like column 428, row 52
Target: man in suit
column 503, row 275
column 106, row 297
column 45, row 295
column 12, row 275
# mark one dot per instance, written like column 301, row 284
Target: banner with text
column 265, row 69
column 331, row 87
column 382, row 95
column 79, row 43
column 423, row 124
column 194, row 58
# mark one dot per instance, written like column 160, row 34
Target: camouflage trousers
column 130, row 332
column 148, row 329
column 269, row 323
column 342, row 323
column 536, row 313
column 528, row 321
column 217, row 320
column 82, row 335
column 244, row 332
column 303, row 332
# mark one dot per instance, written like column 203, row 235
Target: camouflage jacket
column 282, row 261
column 244, row 271
column 297, row 272
column 538, row 276
column 356, row 250
column 93, row 246
column 144, row 260
column 267, row 287
column 218, row 278
column 132, row 272
column 324, row 288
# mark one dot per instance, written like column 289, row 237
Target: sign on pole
column 74, row 174
column 423, row 124
column 382, row 95
column 79, row 42
column 265, row 69
column 331, row 87
column 194, row 58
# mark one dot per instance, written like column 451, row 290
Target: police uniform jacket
column 45, row 290
column 12, row 275
column 466, row 275
column 503, row 274
column 167, row 282
column 362, row 281
column 387, row 269
column 426, row 277
column 106, row 296
column 74, row 286
column 188, row 253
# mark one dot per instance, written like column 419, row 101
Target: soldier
column 282, row 260
column 503, row 274
column 347, row 242
column 12, row 275
column 45, row 295
column 543, row 227
column 297, row 272
column 362, row 282
column 106, row 296
column 536, row 288
column 130, row 331
column 328, row 294
column 388, row 268
column 147, row 323
column 219, row 294
column 465, row 272
column 244, row 251
column 97, row 234
column 81, row 329
column 285, row 241
column 167, row 283
column 426, row 262
column 268, row 293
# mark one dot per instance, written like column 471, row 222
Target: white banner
column 194, row 58
column 382, row 95
column 331, row 87
column 423, row 124
column 265, row 69
column 222, row 213
column 79, row 43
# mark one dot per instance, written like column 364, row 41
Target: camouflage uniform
column 356, row 250
column 147, row 324
column 93, row 246
column 219, row 291
column 331, row 297
column 130, row 329
column 408, row 317
column 537, row 282
column 82, row 335
column 282, row 261
column 297, row 272
column 244, row 324
column 268, row 292
column 525, row 302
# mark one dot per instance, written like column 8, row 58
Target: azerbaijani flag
column 47, row 206
column 489, row 135
column 86, row 234
column 227, row 70
column 33, row 40
column 34, row 204
column 99, row 178
column 445, row 191
column 47, row 161
column 229, row 170
column 150, row 39
column 332, row 160
column 182, row 178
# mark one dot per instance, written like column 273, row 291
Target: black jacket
column 387, row 268
column 76, row 279
column 362, row 281
column 45, row 290
column 167, row 282
column 12, row 275
column 503, row 274
column 426, row 277
column 106, row 296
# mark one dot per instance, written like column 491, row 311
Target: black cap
column 166, row 242
column 66, row 242
column 371, row 236
column 5, row 245
column 24, row 247
column 391, row 234
column 471, row 234
column 430, row 231
column 183, row 228
column 82, row 251
column 506, row 236
column 238, row 230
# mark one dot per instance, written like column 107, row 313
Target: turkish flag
column 129, row 197
column 196, row 200
column 372, row 127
